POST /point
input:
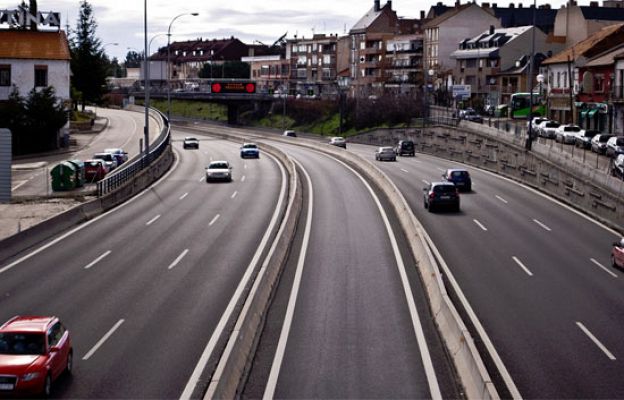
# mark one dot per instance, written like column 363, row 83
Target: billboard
column 461, row 92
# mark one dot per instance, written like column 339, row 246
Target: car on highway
column 338, row 141
column 249, row 150
column 34, row 352
column 219, row 171
column 120, row 155
column 95, row 170
column 473, row 117
column 190, row 143
column 617, row 254
column 109, row 159
column 548, row 129
column 441, row 194
column 617, row 166
column 385, row 154
column 615, row 146
column 583, row 140
column 289, row 133
column 462, row 113
column 599, row 143
column 405, row 148
column 566, row 134
column 459, row 177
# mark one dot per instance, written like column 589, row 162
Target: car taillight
column 431, row 195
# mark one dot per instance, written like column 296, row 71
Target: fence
column 131, row 168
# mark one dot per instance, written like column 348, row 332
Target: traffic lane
column 115, row 268
column 554, row 292
column 352, row 335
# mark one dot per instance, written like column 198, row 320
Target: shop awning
column 592, row 113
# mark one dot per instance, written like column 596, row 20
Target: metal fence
column 127, row 171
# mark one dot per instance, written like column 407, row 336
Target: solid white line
column 214, row 219
column 177, row 260
column 596, row 341
column 151, row 221
column 97, row 260
column 269, row 391
column 19, row 185
column 183, row 196
column 234, row 194
column 501, row 199
column 480, row 225
column 243, row 178
column 603, row 267
column 441, row 169
column 522, row 265
column 104, row 339
column 202, row 178
column 404, row 170
column 240, row 289
column 425, row 182
column 542, row 225
column 245, row 166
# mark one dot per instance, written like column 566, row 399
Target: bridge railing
column 128, row 170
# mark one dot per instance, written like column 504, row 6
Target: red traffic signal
column 233, row 87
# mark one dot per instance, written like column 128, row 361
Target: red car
column 34, row 352
column 95, row 170
column 617, row 254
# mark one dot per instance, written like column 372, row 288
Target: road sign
column 233, row 87
column 461, row 91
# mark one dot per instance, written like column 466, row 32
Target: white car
column 567, row 133
column 119, row 154
column 338, row 141
column 109, row 160
column 615, row 146
column 219, row 171
column 535, row 122
column 548, row 129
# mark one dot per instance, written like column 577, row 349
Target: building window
column 5, row 75
column 41, row 75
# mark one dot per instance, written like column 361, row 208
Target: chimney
column 389, row 4
column 511, row 5
column 376, row 5
column 439, row 4
column 593, row 4
column 457, row 3
column 485, row 5
column 519, row 5
column 422, row 14
column 491, row 29
column 494, row 5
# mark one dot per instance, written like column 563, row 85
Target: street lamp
column 343, row 86
column 425, row 113
column 147, row 85
column 168, row 59
column 529, row 140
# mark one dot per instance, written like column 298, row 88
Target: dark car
column 617, row 254
column 289, row 133
column 440, row 194
column 190, row 143
column 249, row 150
column 459, row 177
column 405, row 148
column 473, row 116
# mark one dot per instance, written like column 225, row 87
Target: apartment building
column 576, row 23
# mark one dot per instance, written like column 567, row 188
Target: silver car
column 385, row 154
column 219, row 171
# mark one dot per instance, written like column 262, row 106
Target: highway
column 143, row 288
column 536, row 273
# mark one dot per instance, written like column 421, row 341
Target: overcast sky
column 121, row 21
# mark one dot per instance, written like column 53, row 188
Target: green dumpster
column 63, row 176
column 80, row 172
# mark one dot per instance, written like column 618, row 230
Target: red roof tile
column 34, row 45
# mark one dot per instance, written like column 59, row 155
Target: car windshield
column 444, row 189
column 249, row 146
column 552, row 125
column 93, row 164
column 407, row 144
column 106, row 157
column 218, row 166
column 22, row 343
column 189, row 139
column 619, row 142
column 571, row 129
column 459, row 174
column 604, row 138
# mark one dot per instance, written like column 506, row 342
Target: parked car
column 615, row 146
column 567, row 133
column 250, row 150
column 405, row 148
column 462, row 113
column 289, row 133
column 109, row 159
column 338, row 141
column 385, row 154
column 95, row 170
column 535, row 121
column 617, row 166
column 190, row 143
column 34, row 353
column 120, row 155
column 548, row 129
column 219, row 171
column 459, row 177
column 584, row 141
column 440, row 194
column 599, row 143
column 617, row 254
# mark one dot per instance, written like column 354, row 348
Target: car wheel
column 70, row 363
column 456, row 208
column 431, row 208
column 47, row 386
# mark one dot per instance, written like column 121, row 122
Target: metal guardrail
column 131, row 168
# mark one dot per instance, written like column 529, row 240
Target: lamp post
column 529, row 140
column 147, row 85
column 343, row 86
column 425, row 112
column 168, row 60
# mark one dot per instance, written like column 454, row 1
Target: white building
column 34, row 59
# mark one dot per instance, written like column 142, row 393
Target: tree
column 88, row 62
column 228, row 69
column 133, row 59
